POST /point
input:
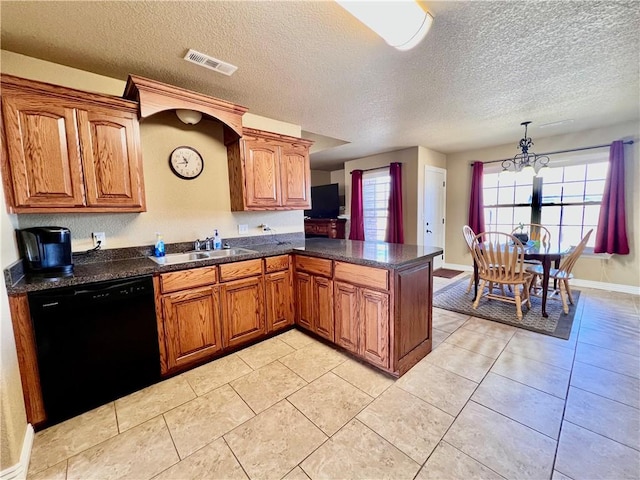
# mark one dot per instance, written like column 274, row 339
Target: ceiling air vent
column 210, row 62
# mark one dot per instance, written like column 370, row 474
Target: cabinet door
column 191, row 325
column 322, row 307
column 347, row 318
column 374, row 315
column 279, row 300
column 295, row 176
column 262, row 174
column 111, row 158
column 304, row 299
column 242, row 310
column 43, row 153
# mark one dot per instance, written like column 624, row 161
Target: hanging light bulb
column 527, row 173
column 543, row 171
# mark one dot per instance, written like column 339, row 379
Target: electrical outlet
column 99, row 237
column 243, row 229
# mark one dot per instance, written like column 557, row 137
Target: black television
column 325, row 202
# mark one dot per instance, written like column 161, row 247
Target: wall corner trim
column 19, row 470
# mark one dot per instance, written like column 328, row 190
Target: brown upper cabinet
column 268, row 171
column 65, row 150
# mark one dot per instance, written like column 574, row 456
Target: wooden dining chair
column 500, row 260
column 563, row 274
column 469, row 235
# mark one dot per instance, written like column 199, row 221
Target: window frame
column 537, row 202
column 384, row 217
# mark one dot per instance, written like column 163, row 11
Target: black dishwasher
column 95, row 342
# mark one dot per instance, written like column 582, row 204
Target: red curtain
column 476, row 202
column 611, row 235
column 356, row 231
column 395, row 229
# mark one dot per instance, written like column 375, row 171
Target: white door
column 435, row 194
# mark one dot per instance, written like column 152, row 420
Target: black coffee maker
column 46, row 250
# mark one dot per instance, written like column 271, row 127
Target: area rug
column 446, row 273
column 454, row 297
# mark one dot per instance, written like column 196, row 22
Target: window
column 376, row 188
column 566, row 201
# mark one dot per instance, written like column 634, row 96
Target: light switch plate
column 243, row 229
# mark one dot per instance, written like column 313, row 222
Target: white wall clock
column 186, row 162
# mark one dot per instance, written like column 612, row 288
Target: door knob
column 429, row 231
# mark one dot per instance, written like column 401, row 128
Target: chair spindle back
column 571, row 259
column 499, row 256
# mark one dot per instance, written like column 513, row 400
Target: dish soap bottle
column 159, row 248
column 217, row 241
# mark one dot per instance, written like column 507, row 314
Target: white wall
column 621, row 269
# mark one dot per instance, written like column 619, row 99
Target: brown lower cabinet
column 203, row 311
column 191, row 325
column 314, row 304
column 381, row 315
column 362, row 322
column 242, row 311
column 279, row 300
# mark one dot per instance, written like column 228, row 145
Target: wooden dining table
column 547, row 254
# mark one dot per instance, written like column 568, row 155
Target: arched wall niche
column 154, row 97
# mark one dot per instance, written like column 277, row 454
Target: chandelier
column 525, row 161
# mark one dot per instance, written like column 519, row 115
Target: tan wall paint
column 337, row 176
column 13, row 419
column 409, row 159
column 621, row 269
column 320, row 177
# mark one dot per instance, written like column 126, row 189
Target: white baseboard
column 610, row 287
column 19, row 470
column 455, row 266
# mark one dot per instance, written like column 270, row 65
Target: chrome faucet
column 197, row 244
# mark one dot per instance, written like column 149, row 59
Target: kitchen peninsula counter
column 371, row 299
column 132, row 262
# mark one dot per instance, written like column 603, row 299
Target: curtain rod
column 628, row 142
column 370, row 169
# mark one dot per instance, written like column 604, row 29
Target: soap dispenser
column 159, row 248
column 217, row 241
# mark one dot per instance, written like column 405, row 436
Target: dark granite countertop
column 384, row 255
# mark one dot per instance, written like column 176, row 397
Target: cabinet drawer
column 360, row 275
column 276, row 264
column 196, row 277
column 318, row 266
column 234, row 271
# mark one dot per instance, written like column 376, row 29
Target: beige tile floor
column 490, row 401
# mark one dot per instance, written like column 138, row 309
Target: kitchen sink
column 198, row 255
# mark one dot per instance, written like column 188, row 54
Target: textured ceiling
column 483, row 68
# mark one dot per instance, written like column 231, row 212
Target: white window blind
column 376, row 187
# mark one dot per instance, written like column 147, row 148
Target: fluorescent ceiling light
column 402, row 24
